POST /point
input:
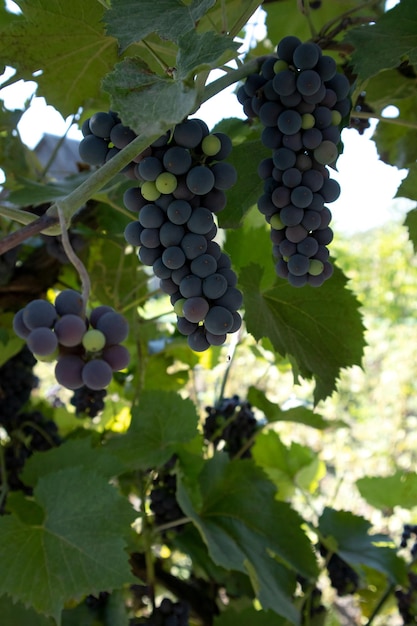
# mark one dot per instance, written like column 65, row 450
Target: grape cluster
column 16, row 383
column 409, row 531
column 342, row 577
column 182, row 180
column 163, row 499
column 300, row 100
column 87, row 350
column 170, row 613
column 232, row 423
column 28, row 432
column 88, row 402
column 407, row 600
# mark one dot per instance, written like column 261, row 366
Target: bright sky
column 368, row 185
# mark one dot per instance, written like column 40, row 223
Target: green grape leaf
column 408, row 186
column 161, row 422
column 321, row 330
column 249, row 187
column 130, row 21
column 387, row 492
column 33, row 193
column 288, row 467
column 397, row 143
column 239, row 540
column 199, row 52
column 148, row 103
column 10, row 344
column 298, row 414
column 14, row 613
column 349, row 535
column 77, row 549
column 393, row 35
column 411, row 223
column 87, row 456
column 65, row 40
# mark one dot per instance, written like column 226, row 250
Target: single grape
column 39, row 313
column 191, row 286
column 94, row 340
column 166, row 182
column 211, row 145
column 96, row 374
column 133, row 199
column 286, row 47
column 203, row 265
column 195, row 309
column 218, row 320
column 225, row 175
column 150, row 168
column 93, row 150
column 42, row 341
column 116, row 356
column 232, row 299
column 185, row 327
column 132, row 233
column 214, row 286
column 177, row 160
column 68, row 371
column 298, row 264
column 69, row 301
column 101, row 123
column 114, row 326
column 171, row 234
column 121, row 135
column 173, row 257
column 326, row 153
column 200, row 180
column 215, row 340
column 149, row 191
column 69, row 330
column 188, row 134
column 19, row 325
column 306, row 55
column 197, row 340
column 193, row 245
column 200, row 221
column 308, row 82
column 179, row 211
column 98, row 312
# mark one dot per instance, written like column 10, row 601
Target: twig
column 76, row 261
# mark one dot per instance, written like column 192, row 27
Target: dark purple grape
column 68, row 371
column 116, row 356
column 39, row 313
column 93, row 150
column 114, row 327
column 195, row 309
column 70, row 329
column 42, row 341
column 197, row 340
column 96, row 374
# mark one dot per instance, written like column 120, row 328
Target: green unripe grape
column 315, row 267
column 280, row 66
column 276, row 222
column 178, row 307
column 307, row 121
column 211, row 145
column 166, row 183
column 326, row 153
column 94, row 340
column 336, row 118
column 149, row 191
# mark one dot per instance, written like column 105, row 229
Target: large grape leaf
column 67, row 543
column 199, row 52
column 161, row 422
column 393, row 36
column 397, row 143
column 131, row 21
column 66, row 42
column 298, row 414
column 320, row 329
column 411, row 223
column 387, row 492
column 349, row 536
column 146, row 102
column 239, row 540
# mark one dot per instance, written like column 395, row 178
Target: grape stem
column 363, row 115
column 76, row 261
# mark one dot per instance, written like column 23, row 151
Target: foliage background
column 330, row 372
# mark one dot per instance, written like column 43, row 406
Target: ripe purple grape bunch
column 301, row 100
column 87, row 350
column 182, row 179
